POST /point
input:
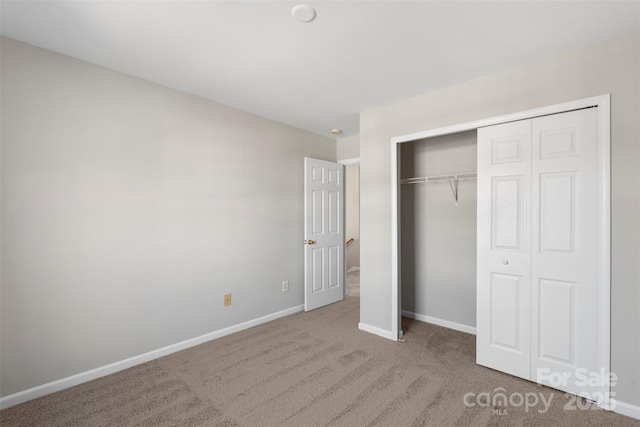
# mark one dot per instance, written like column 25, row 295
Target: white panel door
column 324, row 233
column 564, row 273
column 504, row 248
column 538, row 251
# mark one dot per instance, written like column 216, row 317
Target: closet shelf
column 440, row 178
column 452, row 179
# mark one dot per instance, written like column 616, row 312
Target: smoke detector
column 303, row 13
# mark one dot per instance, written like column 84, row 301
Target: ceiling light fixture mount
column 303, row 13
column 336, row 131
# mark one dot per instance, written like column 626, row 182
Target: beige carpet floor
column 312, row 369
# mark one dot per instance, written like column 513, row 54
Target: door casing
column 603, row 102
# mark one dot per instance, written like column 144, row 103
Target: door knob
column 309, row 242
column 505, row 261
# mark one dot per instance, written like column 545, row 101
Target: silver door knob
column 505, row 261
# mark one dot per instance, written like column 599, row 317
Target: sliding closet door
column 538, row 251
column 564, row 274
column 504, row 248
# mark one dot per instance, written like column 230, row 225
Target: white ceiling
column 355, row 56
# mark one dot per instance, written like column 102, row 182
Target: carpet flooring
column 314, row 369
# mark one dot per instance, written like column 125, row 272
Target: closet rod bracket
column 453, row 183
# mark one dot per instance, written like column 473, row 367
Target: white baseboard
column 83, row 377
column 627, row 409
column 434, row 320
column 353, row 269
column 377, row 331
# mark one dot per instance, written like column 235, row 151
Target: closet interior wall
column 438, row 238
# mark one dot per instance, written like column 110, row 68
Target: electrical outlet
column 227, row 299
column 285, row 286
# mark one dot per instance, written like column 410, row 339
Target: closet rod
column 439, row 178
column 452, row 179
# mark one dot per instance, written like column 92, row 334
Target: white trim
column 626, row 409
column 396, row 324
column 353, row 269
column 83, row 377
column 377, row 331
column 603, row 102
column 604, row 239
column 522, row 115
column 440, row 322
column 349, row 162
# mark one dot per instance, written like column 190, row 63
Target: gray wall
column 129, row 209
column 348, row 147
column 352, row 220
column 439, row 238
column 611, row 67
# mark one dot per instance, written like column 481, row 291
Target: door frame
column 350, row 162
column 603, row 102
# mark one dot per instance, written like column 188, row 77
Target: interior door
column 324, row 233
column 564, row 274
column 538, row 251
column 504, row 248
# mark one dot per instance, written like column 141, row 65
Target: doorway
column 352, row 227
column 352, row 217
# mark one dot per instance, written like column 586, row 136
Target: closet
column 536, row 289
column 438, row 208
